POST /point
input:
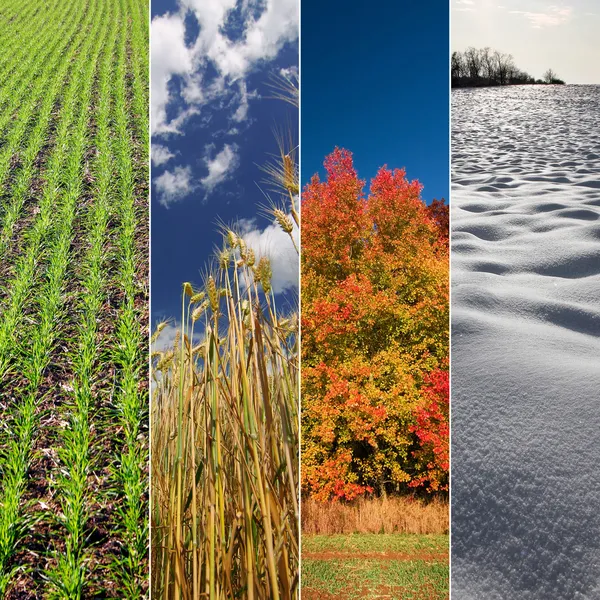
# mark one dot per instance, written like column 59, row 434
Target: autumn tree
column 374, row 331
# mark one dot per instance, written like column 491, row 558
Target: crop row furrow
column 51, row 235
column 61, row 69
column 20, row 36
column 31, row 76
column 74, row 483
column 128, row 352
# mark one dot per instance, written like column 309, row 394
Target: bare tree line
column 487, row 67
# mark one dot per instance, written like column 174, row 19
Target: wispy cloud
column 170, row 57
column 216, row 59
column 161, row 155
column 173, row 186
column 552, row 17
column 220, row 168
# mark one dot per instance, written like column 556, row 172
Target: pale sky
column 563, row 36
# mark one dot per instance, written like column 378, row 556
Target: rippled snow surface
column 526, row 343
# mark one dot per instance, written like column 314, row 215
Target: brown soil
column 382, row 592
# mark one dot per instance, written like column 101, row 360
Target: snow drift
column 526, row 343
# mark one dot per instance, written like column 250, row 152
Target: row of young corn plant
column 138, row 52
column 130, row 349
column 68, row 241
column 44, row 97
column 46, row 244
column 69, row 573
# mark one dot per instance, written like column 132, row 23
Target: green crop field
column 365, row 566
column 73, row 298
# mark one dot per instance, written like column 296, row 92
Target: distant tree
column 485, row 67
column 473, row 62
column 487, row 63
column 456, row 66
column 549, row 76
column 504, row 66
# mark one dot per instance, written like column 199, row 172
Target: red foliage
column 439, row 212
column 374, row 326
column 433, row 430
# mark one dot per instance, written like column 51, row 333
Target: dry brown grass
column 225, row 444
column 376, row 515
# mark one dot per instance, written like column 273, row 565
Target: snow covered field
column 526, row 343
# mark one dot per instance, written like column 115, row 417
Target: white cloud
column 241, row 114
column 170, row 57
column 274, row 243
column 554, row 16
column 168, row 335
column 230, row 60
column 211, row 15
column 289, row 72
column 277, row 24
column 166, row 338
column 220, row 167
column 174, row 185
column 161, row 155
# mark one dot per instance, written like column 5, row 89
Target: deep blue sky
column 185, row 234
column 159, row 7
column 374, row 80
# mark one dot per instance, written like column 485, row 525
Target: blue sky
column 540, row 34
column 375, row 81
column 212, row 119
